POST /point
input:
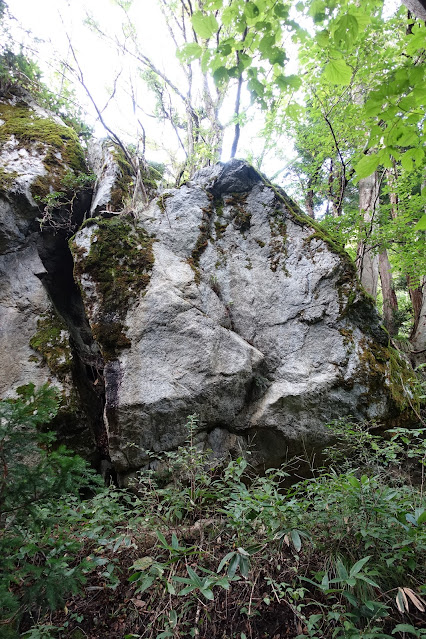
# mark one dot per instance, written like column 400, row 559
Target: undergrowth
column 204, row 548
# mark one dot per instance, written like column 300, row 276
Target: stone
column 44, row 337
column 248, row 316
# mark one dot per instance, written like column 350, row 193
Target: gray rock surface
column 23, row 300
column 36, row 345
column 251, row 319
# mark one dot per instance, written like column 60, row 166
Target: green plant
column 45, row 522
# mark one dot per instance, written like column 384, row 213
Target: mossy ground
column 120, row 262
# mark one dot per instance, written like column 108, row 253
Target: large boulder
column 222, row 299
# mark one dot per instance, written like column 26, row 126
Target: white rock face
column 23, row 300
column 248, row 320
column 104, row 166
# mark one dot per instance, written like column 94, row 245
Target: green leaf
column 295, row 538
column 143, row 563
column 368, row 581
column 228, row 15
column 338, row 72
column 194, row 577
column 281, row 10
column 277, row 56
column 323, row 38
column 213, row 5
column 251, row 10
column 412, row 157
column 366, row 166
column 421, row 226
column 347, row 30
column 204, row 25
column 353, row 481
column 357, row 567
column 341, row 570
column 266, row 45
column 422, row 518
column 256, row 87
column 189, row 52
column 405, row 627
column 221, row 76
column 225, row 560
column 234, row 563
column 208, row 594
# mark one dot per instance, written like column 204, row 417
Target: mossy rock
column 51, row 341
column 6, row 180
column 379, row 363
column 120, row 262
column 58, row 143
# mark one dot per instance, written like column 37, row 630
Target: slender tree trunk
column 390, row 302
column 309, row 203
column 418, row 334
column 367, row 262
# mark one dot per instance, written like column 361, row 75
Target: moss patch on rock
column 51, row 341
column 201, row 243
column 27, row 127
column 241, row 217
column 161, row 202
column 120, row 262
column 6, row 180
column 58, row 145
column 384, row 364
column 278, row 241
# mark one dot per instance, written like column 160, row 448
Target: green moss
column 201, row 243
column 348, row 335
column 220, row 229
column 22, row 122
column 278, row 242
column 161, row 201
column 59, row 144
column 218, row 207
column 51, row 341
column 120, row 261
column 6, row 180
column 260, row 243
column 123, row 184
column 304, row 220
column 241, row 217
column 384, row 364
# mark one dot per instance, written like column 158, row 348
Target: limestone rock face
column 245, row 314
column 41, row 325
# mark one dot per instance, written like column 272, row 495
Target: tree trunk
column 416, row 7
column 367, row 262
column 390, row 302
column 418, row 334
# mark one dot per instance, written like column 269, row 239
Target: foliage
column 44, row 522
column 205, row 546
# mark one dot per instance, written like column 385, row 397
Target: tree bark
column 390, row 302
column 418, row 334
column 416, row 7
column 367, row 261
